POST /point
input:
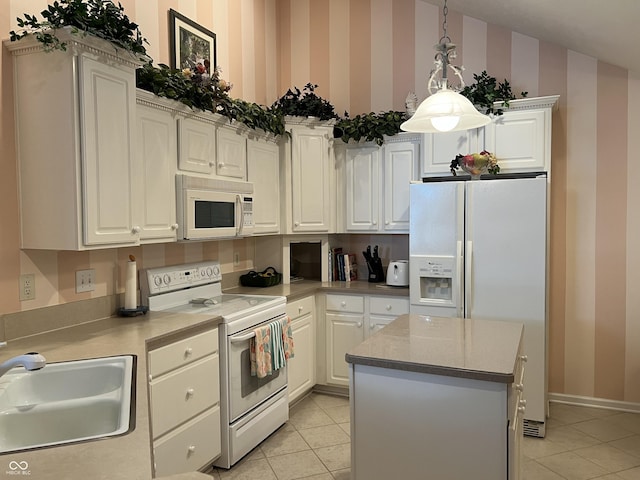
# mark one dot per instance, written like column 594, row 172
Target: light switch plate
column 85, row 281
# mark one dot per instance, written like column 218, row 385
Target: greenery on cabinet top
column 102, row 18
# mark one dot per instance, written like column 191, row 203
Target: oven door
column 246, row 391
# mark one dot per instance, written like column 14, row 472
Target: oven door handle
column 243, row 338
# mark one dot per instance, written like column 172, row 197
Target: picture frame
column 191, row 44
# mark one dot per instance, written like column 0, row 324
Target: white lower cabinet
column 349, row 320
column 302, row 367
column 184, row 403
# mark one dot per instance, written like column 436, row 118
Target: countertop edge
column 495, row 377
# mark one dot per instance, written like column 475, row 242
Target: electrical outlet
column 85, row 281
column 27, row 287
column 236, row 259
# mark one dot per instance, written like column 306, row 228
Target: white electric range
column 251, row 408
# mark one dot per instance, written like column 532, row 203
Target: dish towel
column 260, row 352
column 271, row 347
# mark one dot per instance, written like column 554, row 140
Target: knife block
column 376, row 272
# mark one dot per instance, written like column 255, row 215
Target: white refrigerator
column 478, row 249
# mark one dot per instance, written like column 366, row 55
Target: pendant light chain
column 445, row 11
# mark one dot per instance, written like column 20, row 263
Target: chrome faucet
column 30, row 361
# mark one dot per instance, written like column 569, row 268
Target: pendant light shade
column 445, row 111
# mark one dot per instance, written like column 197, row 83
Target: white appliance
column 398, row 273
column 213, row 208
column 251, row 408
column 478, row 249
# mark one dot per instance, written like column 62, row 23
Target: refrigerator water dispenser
column 434, row 281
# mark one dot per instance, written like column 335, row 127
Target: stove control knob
column 216, row 270
column 167, row 279
column 157, row 280
column 209, row 271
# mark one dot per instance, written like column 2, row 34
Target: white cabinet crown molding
column 78, row 43
column 549, row 101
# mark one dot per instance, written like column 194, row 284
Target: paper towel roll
column 130, row 287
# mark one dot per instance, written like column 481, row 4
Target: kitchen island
column 439, row 398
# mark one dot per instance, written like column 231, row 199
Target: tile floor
column 581, row 443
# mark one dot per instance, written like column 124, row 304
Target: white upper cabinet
column 401, row 159
column 520, row 138
column 75, row 127
column 155, row 169
column 263, row 170
column 196, row 144
column 308, row 173
column 362, row 177
column 231, row 157
column 441, row 148
column 376, row 183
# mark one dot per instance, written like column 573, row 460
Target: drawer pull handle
column 188, row 352
column 190, row 392
column 192, row 449
column 388, row 307
column 344, row 304
column 300, row 309
column 359, row 324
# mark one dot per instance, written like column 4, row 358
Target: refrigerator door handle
column 459, row 280
column 468, row 257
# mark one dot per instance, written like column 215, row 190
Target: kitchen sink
column 67, row 402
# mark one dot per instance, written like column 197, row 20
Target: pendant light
column 445, row 110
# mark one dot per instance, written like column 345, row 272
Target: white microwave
column 213, row 208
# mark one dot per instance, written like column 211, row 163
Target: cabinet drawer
column 388, row 305
column 183, row 352
column 179, row 395
column 345, row 303
column 189, row 447
column 299, row 308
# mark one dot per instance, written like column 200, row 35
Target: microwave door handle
column 241, row 210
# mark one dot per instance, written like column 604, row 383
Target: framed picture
column 191, row 45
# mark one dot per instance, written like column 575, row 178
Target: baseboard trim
column 595, row 402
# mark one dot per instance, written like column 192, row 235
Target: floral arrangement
column 202, row 77
column 476, row 163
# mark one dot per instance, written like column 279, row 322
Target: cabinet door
column 301, row 368
column 519, row 140
column 311, row 187
column 362, row 189
column 155, row 167
column 442, row 148
column 196, row 145
column 343, row 333
column 400, row 164
column 263, row 170
column 107, row 115
column 231, row 154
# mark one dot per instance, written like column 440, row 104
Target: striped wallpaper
column 366, row 55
